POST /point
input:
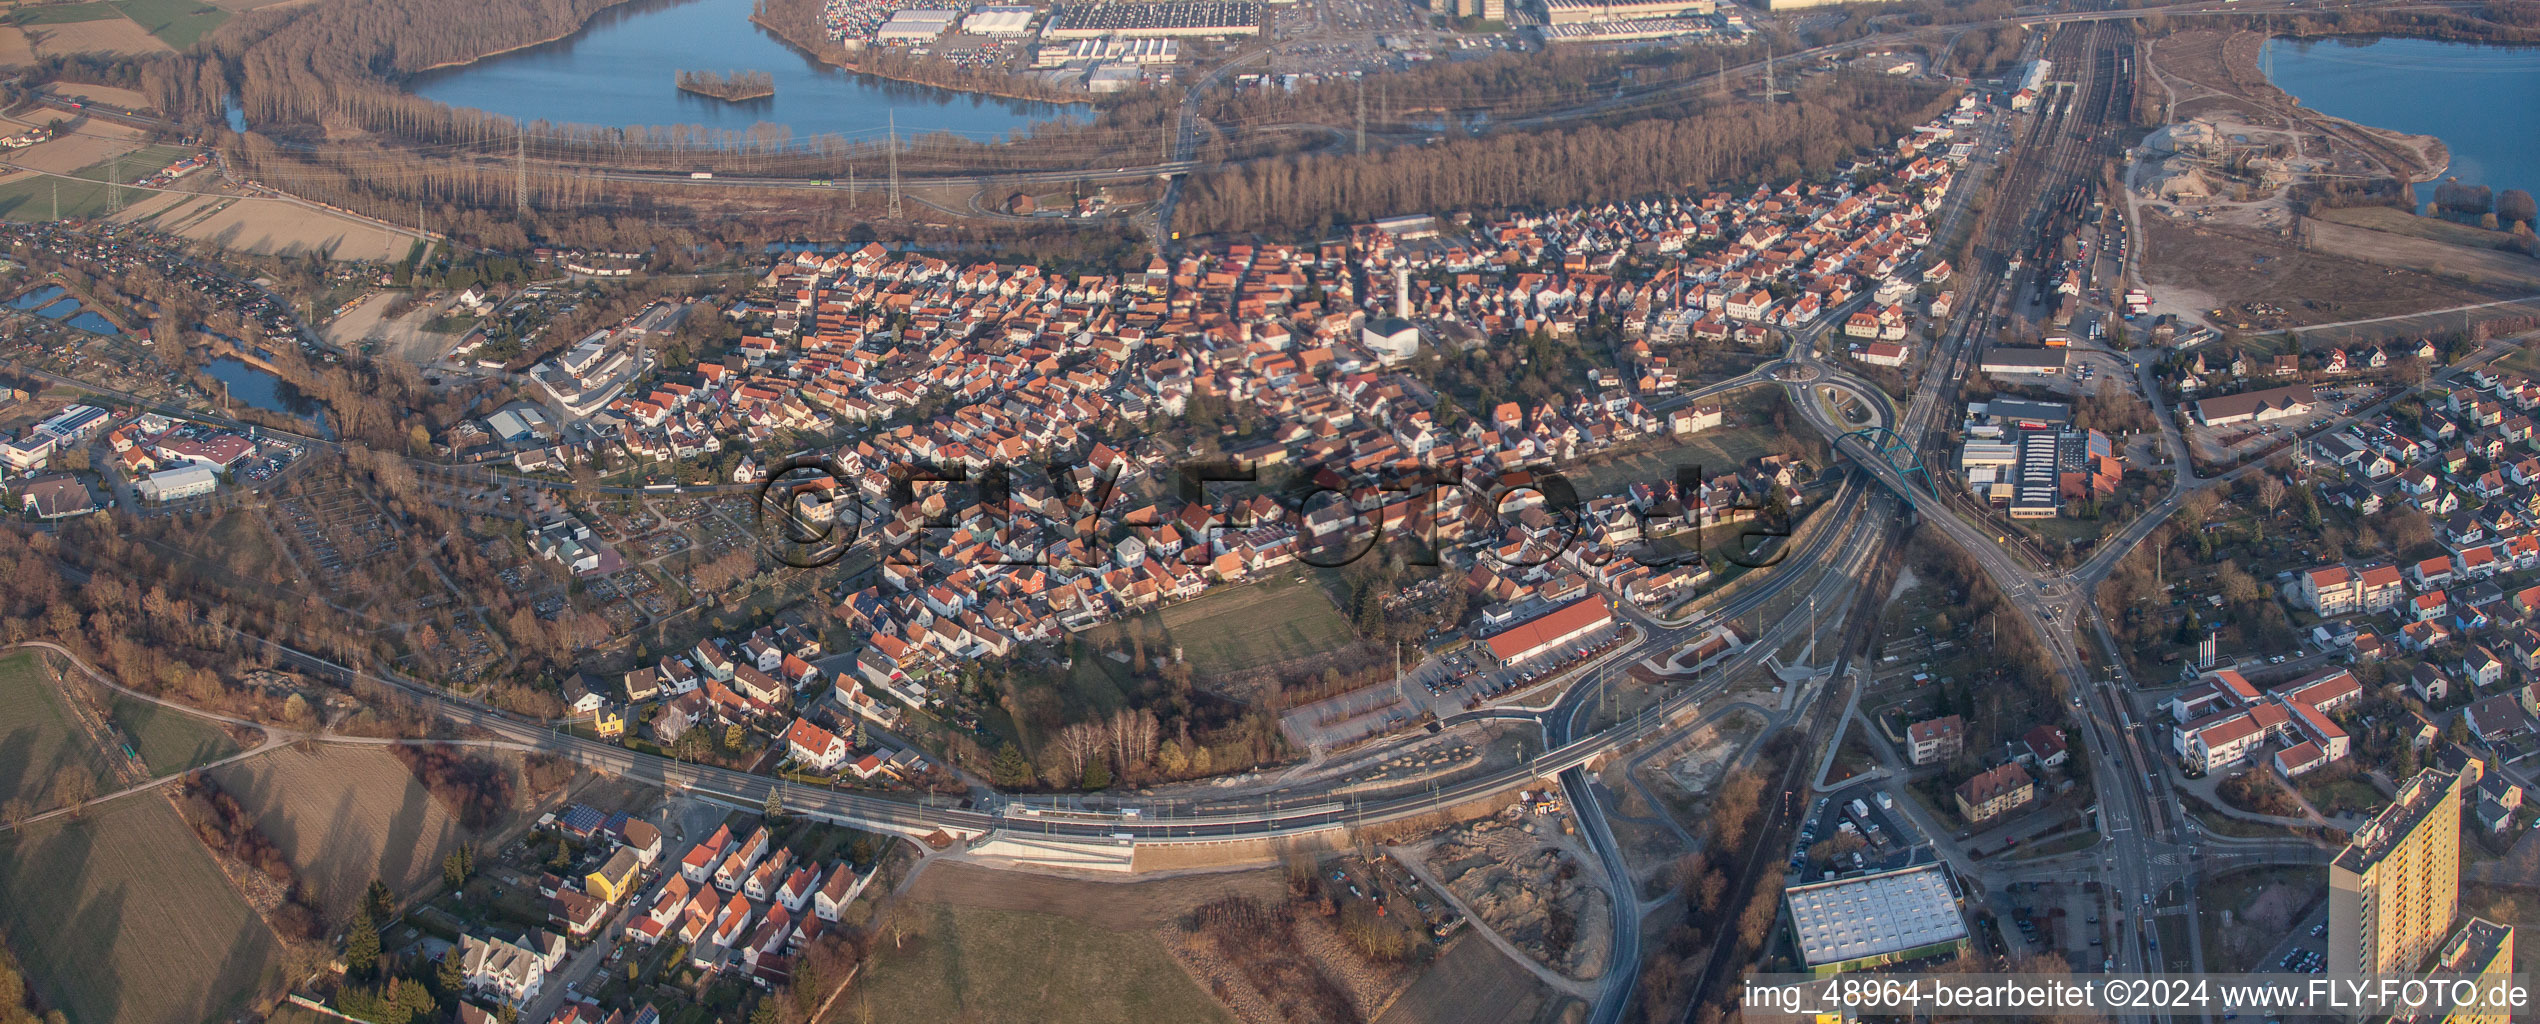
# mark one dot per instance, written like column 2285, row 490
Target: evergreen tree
column 361, row 944
column 381, row 902
column 1012, row 769
column 1098, row 773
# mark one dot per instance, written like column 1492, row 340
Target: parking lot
column 1885, row 838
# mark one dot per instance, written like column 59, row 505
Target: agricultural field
column 270, row 227
column 75, row 149
column 84, row 192
column 114, row 34
column 169, row 741
column 179, row 23
column 344, row 815
column 974, row 944
column 63, row 14
column 39, row 741
column 991, row 966
column 15, row 50
column 1230, row 628
column 121, row 917
column 1472, row 982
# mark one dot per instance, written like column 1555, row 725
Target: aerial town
column 1267, row 512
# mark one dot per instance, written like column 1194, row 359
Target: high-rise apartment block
column 2481, row 949
column 2394, row 889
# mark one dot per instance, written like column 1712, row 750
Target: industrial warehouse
column 1187, row 18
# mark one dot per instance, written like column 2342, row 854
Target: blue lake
column 40, row 297
column 54, row 302
column 249, row 385
column 617, row 72
column 2482, row 101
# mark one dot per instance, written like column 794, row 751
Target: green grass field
column 1229, row 628
column 169, row 741
column 64, row 14
column 85, row 192
column 123, row 918
column 2433, row 229
column 997, row 966
column 178, row 23
column 39, row 742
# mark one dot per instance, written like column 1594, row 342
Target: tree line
column 1706, row 149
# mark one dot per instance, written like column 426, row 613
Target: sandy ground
column 91, row 143
column 402, row 338
column 1515, row 876
column 272, row 226
column 114, row 35
column 14, row 48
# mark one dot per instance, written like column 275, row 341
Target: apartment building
column 1937, row 739
column 2395, row 887
column 1995, row 793
column 2481, row 949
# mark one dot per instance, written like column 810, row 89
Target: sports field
column 39, row 742
column 1238, row 627
column 121, row 917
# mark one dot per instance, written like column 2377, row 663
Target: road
column 2143, row 852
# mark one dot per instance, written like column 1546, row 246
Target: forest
column 1826, row 123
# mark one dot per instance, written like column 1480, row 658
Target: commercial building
column 1852, row 924
column 1123, row 51
column 2016, row 361
column 184, row 481
column 2264, row 406
column 74, row 423
column 1571, row 12
column 1547, row 632
column 2481, row 949
column 998, row 21
column 1188, row 18
column 2394, row 888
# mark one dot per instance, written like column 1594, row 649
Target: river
column 2482, row 101
column 617, row 72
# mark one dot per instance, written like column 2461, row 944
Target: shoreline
column 2428, row 156
column 1005, row 94
column 557, row 38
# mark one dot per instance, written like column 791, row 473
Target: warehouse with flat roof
column 1160, row 19
column 1569, row 12
column 1851, row 924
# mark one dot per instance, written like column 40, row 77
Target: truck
column 1859, row 809
column 701, row 175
